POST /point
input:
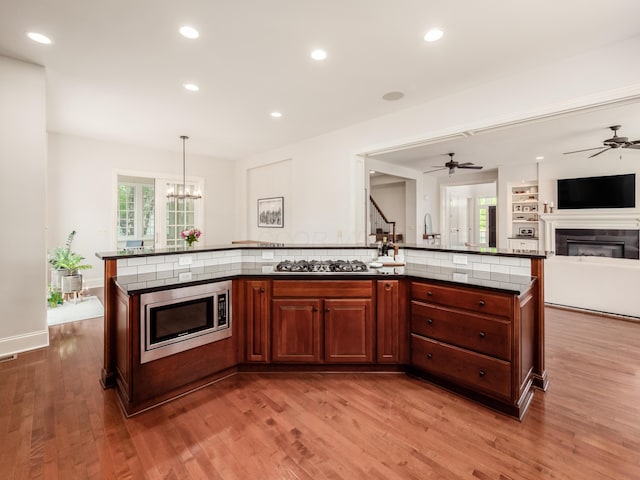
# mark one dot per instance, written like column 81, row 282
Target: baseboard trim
column 616, row 316
column 24, row 342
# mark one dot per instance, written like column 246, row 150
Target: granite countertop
column 149, row 282
column 147, row 252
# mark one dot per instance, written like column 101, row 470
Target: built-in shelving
column 525, row 210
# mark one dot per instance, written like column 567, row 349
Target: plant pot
column 71, row 283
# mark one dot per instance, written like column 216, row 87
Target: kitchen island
column 471, row 320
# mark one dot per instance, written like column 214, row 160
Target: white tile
column 132, row 262
column 514, row 261
column 156, row 259
column 164, row 267
column 481, row 267
column 499, row 269
column 520, row 271
column 490, row 259
column 204, row 255
column 128, row 271
column 121, row 262
column 146, row 269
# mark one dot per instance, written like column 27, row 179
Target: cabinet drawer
column 491, row 336
column 322, row 288
column 479, row 372
column 480, row 301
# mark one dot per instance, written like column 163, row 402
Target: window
column 483, row 218
column 180, row 216
column 136, row 211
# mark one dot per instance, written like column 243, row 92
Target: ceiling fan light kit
column 611, row 143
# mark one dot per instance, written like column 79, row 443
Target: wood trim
column 540, row 378
column 108, row 374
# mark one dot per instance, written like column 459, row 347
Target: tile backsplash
column 196, row 261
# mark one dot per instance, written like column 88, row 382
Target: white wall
column 23, row 153
column 606, row 285
column 326, row 163
column 82, row 185
column 268, row 181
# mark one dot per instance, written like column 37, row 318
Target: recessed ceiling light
column 276, row 114
column 192, row 87
column 392, row 96
column 40, row 38
column 318, row 54
column 540, row 158
column 189, row 32
column 433, row 35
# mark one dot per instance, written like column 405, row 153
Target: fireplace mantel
column 587, row 219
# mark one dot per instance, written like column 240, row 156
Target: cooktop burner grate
column 322, row 266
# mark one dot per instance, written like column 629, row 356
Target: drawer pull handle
column 481, row 303
column 429, row 321
column 429, row 356
column 482, row 374
column 429, row 293
column 482, row 334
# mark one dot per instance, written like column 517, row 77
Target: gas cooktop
column 322, row 266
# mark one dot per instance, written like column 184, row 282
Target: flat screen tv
column 613, row 191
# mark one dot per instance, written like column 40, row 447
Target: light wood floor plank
column 57, row 423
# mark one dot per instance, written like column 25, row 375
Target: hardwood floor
column 56, row 422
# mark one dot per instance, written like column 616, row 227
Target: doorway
column 470, row 215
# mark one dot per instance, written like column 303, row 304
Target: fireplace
column 594, row 242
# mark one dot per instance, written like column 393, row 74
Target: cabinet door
column 348, row 331
column 296, row 330
column 391, row 325
column 257, row 318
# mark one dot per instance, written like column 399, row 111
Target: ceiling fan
column 452, row 165
column 611, row 143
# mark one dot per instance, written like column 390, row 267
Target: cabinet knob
column 429, row 321
column 261, row 289
column 327, row 309
column 429, row 356
column 481, row 303
column 429, row 293
column 482, row 334
column 481, row 373
column 388, row 286
column 314, row 309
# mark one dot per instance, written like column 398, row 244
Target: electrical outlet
column 185, row 276
column 460, row 277
column 460, row 259
column 185, row 260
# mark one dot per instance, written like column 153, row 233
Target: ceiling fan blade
column 602, row 151
column 585, row 150
column 471, row 166
column 635, row 145
column 436, row 170
column 464, row 164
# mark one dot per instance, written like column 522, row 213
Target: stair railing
column 379, row 222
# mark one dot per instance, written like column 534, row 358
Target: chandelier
column 183, row 192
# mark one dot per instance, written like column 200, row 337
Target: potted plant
column 65, row 267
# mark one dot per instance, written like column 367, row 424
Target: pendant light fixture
column 183, row 192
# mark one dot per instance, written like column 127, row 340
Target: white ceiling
column 524, row 143
column 116, row 68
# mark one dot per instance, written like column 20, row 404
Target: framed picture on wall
column 271, row 212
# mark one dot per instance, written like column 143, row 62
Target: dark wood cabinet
column 476, row 340
column 323, row 321
column 391, row 334
column 257, row 320
column 348, row 331
column 296, row 330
